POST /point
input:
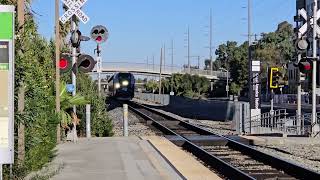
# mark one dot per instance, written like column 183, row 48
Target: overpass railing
column 155, row 69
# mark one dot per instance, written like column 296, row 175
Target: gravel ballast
column 135, row 128
column 306, row 155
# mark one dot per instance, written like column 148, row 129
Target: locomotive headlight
column 125, row 83
column 117, row 85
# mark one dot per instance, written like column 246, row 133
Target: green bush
column 191, row 86
column 101, row 124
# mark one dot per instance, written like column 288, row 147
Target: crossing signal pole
column 99, row 34
column 74, row 61
column 305, row 22
column 314, row 68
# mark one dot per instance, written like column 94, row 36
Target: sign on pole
column 7, row 84
column 74, row 8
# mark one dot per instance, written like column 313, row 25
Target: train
column 121, row 86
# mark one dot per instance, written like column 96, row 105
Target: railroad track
column 229, row 157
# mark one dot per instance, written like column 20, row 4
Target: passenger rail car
column 121, row 86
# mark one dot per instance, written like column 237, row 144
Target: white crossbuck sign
column 304, row 28
column 74, row 9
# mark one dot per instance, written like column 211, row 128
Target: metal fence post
column 88, row 121
column 125, row 120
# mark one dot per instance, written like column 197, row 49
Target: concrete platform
column 126, row 158
column 115, row 158
column 186, row 164
column 265, row 140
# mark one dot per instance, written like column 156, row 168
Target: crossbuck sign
column 74, row 9
column 304, row 28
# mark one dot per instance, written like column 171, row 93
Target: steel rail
column 226, row 169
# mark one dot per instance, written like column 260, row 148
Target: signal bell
column 99, row 34
column 302, row 45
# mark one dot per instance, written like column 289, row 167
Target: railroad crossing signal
column 65, row 63
column 76, row 38
column 86, row 63
column 74, row 9
column 303, row 16
column 99, row 34
column 304, row 66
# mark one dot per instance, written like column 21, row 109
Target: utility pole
column 210, row 42
column 153, row 63
column 147, row 62
column 189, row 65
column 210, row 49
column 249, row 62
column 164, row 57
column 160, row 72
column 314, row 68
column 172, row 65
column 57, row 51
column 199, row 65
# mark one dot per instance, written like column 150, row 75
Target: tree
column 152, row 86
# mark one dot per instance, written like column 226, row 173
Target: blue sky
column 138, row 28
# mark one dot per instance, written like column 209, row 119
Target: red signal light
column 304, row 67
column 99, row 38
column 63, row 63
column 307, row 67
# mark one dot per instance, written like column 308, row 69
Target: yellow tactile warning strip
column 189, row 167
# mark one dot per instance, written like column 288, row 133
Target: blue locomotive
column 121, row 86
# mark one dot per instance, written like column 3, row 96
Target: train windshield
column 124, row 76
